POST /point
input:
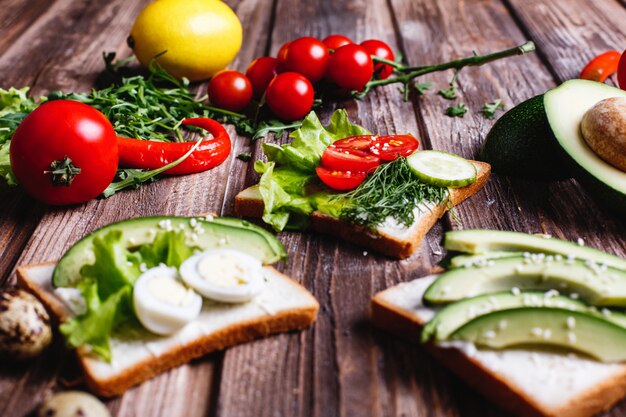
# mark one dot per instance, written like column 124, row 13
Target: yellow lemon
column 199, row 37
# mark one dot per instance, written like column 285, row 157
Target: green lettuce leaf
column 168, row 248
column 287, row 177
column 5, row 164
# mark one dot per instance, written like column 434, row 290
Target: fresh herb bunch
column 392, row 190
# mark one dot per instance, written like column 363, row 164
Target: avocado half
column 565, row 106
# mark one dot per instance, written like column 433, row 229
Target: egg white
column 159, row 316
column 208, row 285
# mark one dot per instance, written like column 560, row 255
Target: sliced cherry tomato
column 390, row 147
column 336, row 41
column 621, row 72
column 260, row 72
column 361, row 143
column 350, row 67
column 289, row 96
column 340, row 180
column 64, row 152
column 307, row 56
column 349, row 159
column 381, row 50
column 230, row 90
column 601, row 67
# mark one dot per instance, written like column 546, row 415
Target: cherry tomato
column 381, row 50
column 390, row 147
column 230, row 90
column 64, row 152
column 260, row 72
column 621, row 72
column 349, row 159
column 601, row 67
column 307, row 56
column 340, row 180
column 361, row 143
column 289, row 96
column 335, row 41
column 350, row 67
column 282, row 52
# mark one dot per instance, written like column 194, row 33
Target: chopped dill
column 391, row 191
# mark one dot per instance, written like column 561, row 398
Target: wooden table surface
column 342, row 366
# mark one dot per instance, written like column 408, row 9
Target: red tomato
column 307, row 56
column 350, row 67
column 289, row 96
column 260, row 72
column 282, row 52
column 390, row 147
column 349, row 159
column 361, row 143
column 72, row 139
column 621, row 72
column 340, row 180
column 381, row 50
column 335, row 41
column 230, row 90
column 601, row 67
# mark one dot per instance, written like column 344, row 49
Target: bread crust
column 499, row 390
column 244, row 331
column 247, row 204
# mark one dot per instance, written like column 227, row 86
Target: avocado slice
column 565, row 106
column 477, row 241
column 206, row 233
column 547, row 326
column 460, row 261
column 598, row 285
column 455, row 315
column 521, row 144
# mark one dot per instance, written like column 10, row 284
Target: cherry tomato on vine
column 64, row 152
column 388, row 148
column 230, row 90
column 260, row 72
column 350, row 67
column 360, row 143
column 601, row 67
column 307, row 56
column 349, row 159
column 340, row 180
column 381, row 50
column 336, row 41
column 621, row 72
column 289, row 96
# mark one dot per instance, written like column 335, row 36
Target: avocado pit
column 603, row 128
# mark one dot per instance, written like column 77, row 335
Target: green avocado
column 565, row 106
column 596, row 284
column 455, row 315
column 483, row 241
column 521, row 144
column 207, row 233
column 547, row 326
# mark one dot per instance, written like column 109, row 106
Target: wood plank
column 16, row 16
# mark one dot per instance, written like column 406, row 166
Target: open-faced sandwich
column 536, row 324
column 379, row 192
column 142, row 296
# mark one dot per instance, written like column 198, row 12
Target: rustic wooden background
column 341, row 366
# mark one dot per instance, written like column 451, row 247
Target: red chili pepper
column 601, row 67
column 147, row 154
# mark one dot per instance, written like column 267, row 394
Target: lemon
column 199, row 37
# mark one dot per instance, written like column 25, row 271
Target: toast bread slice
column 524, row 382
column 284, row 305
column 390, row 239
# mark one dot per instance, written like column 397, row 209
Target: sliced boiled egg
column 162, row 302
column 224, row 275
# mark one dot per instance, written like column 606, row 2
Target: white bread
column 389, row 239
column 283, row 305
column 537, row 383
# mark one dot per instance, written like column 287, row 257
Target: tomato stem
column 63, row 172
column 409, row 73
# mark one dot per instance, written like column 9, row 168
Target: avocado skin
column 521, row 144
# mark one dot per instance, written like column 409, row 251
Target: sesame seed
column 143, row 267
column 580, row 241
column 364, row 253
column 547, row 333
column 574, row 296
column 571, row 323
column 193, row 222
column 502, row 325
column 515, row 291
column 571, row 337
column 209, row 218
column 536, row 331
column 606, row 312
column 489, row 334
column 551, row 293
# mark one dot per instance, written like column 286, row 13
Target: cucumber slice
column 442, row 168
